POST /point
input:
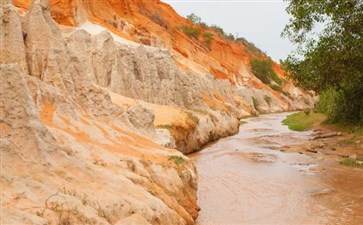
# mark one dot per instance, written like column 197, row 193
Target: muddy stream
column 246, row 179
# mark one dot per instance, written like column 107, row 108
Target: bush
column 326, row 102
column 230, row 37
column 222, row 33
column 277, row 79
column 263, row 70
column 191, row 31
column 250, row 47
column 218, row 29
column 208, row 38
column 203, row 24
column 276, row 87
column 344, row 105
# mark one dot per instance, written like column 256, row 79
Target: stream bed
column 246, row 179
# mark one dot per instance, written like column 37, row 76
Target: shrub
column 204, row 25
column 208, row 38
column 229, row 37
column 275, row 78
column 276, row 87
column 191, row 31
column 326, row 101
column 250, row 47
column 218, row 29
column 343, row 105
column 177, row 159
column 263, row 70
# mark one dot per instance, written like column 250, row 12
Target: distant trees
column 330, row 62
column 194, row 18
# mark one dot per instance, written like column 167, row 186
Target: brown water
column 245, row 179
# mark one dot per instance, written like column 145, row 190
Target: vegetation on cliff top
column 208, row 36
column 329, row 62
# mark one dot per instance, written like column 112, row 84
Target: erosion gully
column 246, row 179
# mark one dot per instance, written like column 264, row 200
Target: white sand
column 96, row 29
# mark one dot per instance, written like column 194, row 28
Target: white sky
column 260, row 22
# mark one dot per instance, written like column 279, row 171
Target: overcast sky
column 260, row 22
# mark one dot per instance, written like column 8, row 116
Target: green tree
column 329, row 56
column 194, row 18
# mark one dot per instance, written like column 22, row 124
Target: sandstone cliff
column 67, row 153
column 94, row 97
column 137, row 49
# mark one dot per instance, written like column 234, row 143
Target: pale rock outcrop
column 11, row 36
column 151, row 74
column 142, row 119
column 67, row 157
column 20, row 122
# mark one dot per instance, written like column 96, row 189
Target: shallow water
column 245, row 179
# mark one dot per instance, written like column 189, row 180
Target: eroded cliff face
column 137, row 49
column 68, row 154
column 95, row 96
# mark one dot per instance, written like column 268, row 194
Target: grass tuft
column 242, row 122
column 301, row 121
column 177, row 159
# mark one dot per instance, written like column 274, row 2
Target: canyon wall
column 68, row 154
column 95, row 96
